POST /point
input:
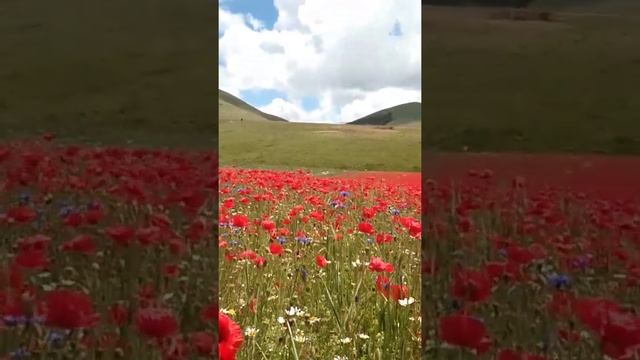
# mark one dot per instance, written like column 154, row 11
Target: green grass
column 296, row 145
column 564, row 86
column 116, row 72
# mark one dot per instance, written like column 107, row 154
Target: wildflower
column 321, row 261
column 275, row 249
column 471, row 285
column 464, row 331
column 68, row 309
column 366, row 228
column 82, row 244
column 229, row 338
column 299, row 336
column 559, row 281
column 406, row 302
column 294, row 311
column 251, row 331
column 202, row 341
column 378, row 265
column 158, row 323
column 228, row 311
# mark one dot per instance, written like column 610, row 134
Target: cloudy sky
column 328, row 61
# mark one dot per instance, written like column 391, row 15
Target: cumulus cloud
column 355, row 57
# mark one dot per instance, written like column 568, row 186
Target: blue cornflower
column 65, row 210
column 394, row 211
column 281, row 240
column 303, row 240
column 559, row 281
column 11, row 320
column 344, row 193
column 56, row 338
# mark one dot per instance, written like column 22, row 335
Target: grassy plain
column 568, row 85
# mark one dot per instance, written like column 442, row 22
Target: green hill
column 231, row 108
column 409, row 114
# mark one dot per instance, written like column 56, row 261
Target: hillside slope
column 231, row 108
column 409, row 114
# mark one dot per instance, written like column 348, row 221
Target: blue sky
column 313, row 61
column 263, row 10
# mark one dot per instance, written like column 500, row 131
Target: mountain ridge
column 406, row 114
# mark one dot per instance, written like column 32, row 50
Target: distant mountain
column 409, row 114
column 231, row 108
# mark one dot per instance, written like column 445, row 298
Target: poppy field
column 106, row 252
column 515, row 268
column 319, row 267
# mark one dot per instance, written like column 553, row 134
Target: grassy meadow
column 318, row 146
column 248, row 139
column 115, row 72
column 566, row 85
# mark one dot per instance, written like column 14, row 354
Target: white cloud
column 340, row 52
column 255, row 24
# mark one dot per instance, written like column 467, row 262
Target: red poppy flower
column 155, row 322
column 11, row 277
column 118, row 314
column 73, row 219
column 399, row 292
column 321, row 261
column 595, row 312
column 69, row 309
column 510, row 354
column 464, row 331
column 378, row 265
column 148, row 235
column 268, row 225
column 11, row 304
column 93, row 216
column 209, row 313
column 202, row 341
column 170, row 270
column 35, row 242
column 197, row 229
column 21, row 214
column 471, row 285
column 121, row 234
column 32, row 259
column 275, row 249
column 259, row 261
column 81, row 244
column 228, row 203
column 366, row 228
column 229, row 337
column 239, row 220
